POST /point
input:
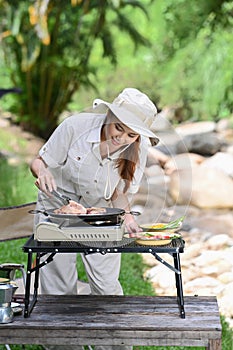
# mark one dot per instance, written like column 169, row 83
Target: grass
column 16, row 188
column 10, row 143
column 17, row 185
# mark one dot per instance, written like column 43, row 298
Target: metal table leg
column 29, row 304
column 177, row 269
column 179, row 286
column 36, row 282
column 28, row 285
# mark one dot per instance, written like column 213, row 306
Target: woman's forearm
column 120, row 200
column 44, row 179
column 36, row 166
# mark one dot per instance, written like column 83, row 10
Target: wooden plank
column 214, row 344
column 115, row 320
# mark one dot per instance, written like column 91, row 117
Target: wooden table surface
column 130, row 320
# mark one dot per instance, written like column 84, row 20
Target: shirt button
column 101, row 164
column 87, row 192
column 95, row 181
column 78, row 158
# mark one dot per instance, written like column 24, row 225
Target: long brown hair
column 127, row 163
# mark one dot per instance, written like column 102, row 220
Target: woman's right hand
column 45, row 180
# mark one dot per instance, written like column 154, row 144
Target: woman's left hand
column 131, row 225
column 120, row 200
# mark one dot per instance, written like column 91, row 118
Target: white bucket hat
column 134, row 109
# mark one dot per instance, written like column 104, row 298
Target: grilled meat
column 78, row 209
column 95, row 210
column 71, row 208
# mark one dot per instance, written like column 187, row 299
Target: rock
column 227, row 255
column 228, row 290
column 202, row 187
column 226, row 301
column 153, row 272
column 182, row 161
column 200, row 282
column 208, row 257
column 221, row 161
column 215, row 222
column 169, row 141
column 223, row 124
column 196, row 128
column 218, row 242
column 226, row 305
column 215, row 269
column 180, row 186
column 192, row 251
column 204, row 144
column 199, row 138
column 230, row 149
column 226, row 277
column 188, row 273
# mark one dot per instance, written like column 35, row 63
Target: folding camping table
column 49, row 249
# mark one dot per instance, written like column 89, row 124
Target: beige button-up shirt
column 73, row 157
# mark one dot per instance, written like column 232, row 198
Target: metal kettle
column 7, row 291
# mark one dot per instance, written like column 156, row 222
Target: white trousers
column 60, row 276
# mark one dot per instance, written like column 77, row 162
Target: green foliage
column 11, row 252
column 227, row 335
column 17, row 185
column 194, row 70
column 188, row 66
column 48, row 50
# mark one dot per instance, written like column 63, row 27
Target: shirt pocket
column 74, row 163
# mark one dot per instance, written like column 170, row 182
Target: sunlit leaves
column 194, row 70
column 38, row 14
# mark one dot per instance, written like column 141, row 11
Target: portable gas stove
column 79, row 231
column 104, row 226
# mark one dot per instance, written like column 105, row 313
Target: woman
column 97, row 159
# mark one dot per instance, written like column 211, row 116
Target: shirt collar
column 94, row 135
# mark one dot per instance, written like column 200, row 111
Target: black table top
column 127, row 245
